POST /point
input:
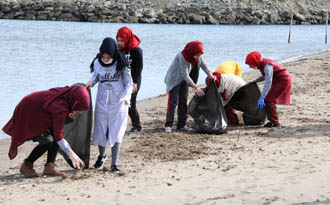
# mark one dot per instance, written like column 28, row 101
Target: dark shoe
column 27, row 170
column 114, row 169
column 100, row 162
column 270, row 125
column 134, row 131
column 50, row 170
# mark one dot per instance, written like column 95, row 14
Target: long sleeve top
column 135, row 59
column 268, row 78
column 113, row 84
column 229, row 84
column 179, row 71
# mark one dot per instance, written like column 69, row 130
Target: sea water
column 38, row 55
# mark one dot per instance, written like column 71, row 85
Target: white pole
column 289, row 39
column 326, row 28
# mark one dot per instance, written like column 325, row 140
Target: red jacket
column 278, row 70
column 39, row 111
column 280, row 90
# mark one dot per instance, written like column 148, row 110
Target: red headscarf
column 68, row 99
column 131, row 41
column 253, row 59
column 218, row 80
column 192, row 48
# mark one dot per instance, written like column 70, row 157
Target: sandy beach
column 247, row 165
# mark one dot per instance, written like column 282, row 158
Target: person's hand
column 261, row 103
column 127, row 103
column 199, row 92
column 126, row 100
column 213, row 77
column 89, row 85
column 71, row 115
column 134, row 90
column 76, row 161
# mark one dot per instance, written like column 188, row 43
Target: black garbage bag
column 208, row 112
column 245, row 99
column 78, row 135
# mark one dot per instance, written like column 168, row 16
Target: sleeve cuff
column 64, row 145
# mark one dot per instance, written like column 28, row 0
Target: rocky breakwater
column 169, row 11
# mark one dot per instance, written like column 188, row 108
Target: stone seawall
column 169, row 11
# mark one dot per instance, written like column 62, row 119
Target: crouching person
column 40, row 117
column 227, row 85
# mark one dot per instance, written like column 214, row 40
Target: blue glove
column 261, row 103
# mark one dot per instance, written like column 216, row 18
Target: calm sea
column 38, row 55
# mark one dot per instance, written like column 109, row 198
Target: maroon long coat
column 280, row 90
column 31, row 117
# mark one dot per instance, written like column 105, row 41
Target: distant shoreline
column 236, row 12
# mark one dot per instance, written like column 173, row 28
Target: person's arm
column 94, row 79
column 183, row 67
column 206, row 69
column 64, row 145
column 58, row 121
column 191, row 83
column 184, row 72
column 137, row 64
column 259, row 79
column 204, row 66
column 128, row 83
column 268, row 80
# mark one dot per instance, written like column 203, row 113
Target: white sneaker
column 168, row 129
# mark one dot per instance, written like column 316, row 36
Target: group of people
column 117, row 70
column 118, row 73
column 227, row 76
column 41, row 116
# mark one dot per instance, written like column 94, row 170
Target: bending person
column 229, row 67
column 42, row 112
column 177, row 82
column 277, row 88
column 227, row 85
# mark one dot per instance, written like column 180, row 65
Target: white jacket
column 110, row 111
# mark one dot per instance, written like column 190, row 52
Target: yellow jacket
column 229, row 67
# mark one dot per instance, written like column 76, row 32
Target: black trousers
column 39, row 150
column 46, row 143
column 177, row 96
column 132, row 111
